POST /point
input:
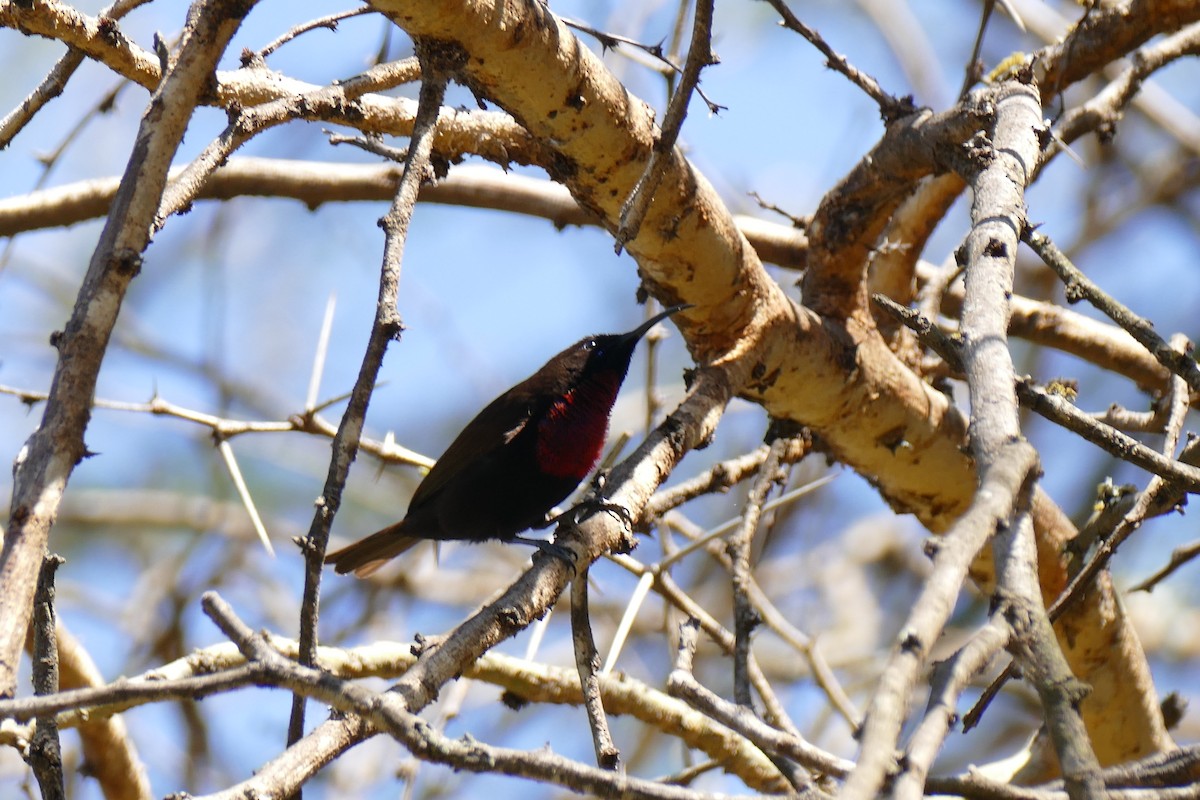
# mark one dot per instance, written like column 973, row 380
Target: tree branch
column 57, row 446
column 385, row 328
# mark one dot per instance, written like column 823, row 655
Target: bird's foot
column 573, row 516
column 584, row 509
column 552, row 549
column 594, row 505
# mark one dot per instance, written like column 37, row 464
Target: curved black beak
column 640, row 330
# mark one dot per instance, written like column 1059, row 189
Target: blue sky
column 486, row 298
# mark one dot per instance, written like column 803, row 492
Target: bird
column 524, row 453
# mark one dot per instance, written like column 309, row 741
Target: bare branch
column 45, row 751
column 997, row 215
column 586, row 662
column 1079, row 287
column 746, row 617
column 682, row 683
column 329, row 21
column 224, row 429
column 385, row 328
column 890, row 108
column 700, row 55
column 53, row 451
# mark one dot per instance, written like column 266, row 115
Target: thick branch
column 51, row 454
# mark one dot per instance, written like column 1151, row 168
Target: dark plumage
column 518, row 458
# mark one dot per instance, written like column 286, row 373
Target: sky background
column 239, row 289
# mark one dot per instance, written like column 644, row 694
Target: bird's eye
column 590, row 344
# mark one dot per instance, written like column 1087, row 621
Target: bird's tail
column 364, row 557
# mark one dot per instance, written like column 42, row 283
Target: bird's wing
column 493, row 428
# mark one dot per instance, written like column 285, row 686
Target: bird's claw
column 552, row 549
column 586, row 508
column 592, row 506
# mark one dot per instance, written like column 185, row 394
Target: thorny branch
column 610, row 40
column 1079, row 287
column 329, row 21
column 385, row 328
column 1008, row 473
column 58, row 445
column 889, row 107
column 308, row 421
column 700, row 55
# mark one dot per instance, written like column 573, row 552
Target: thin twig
column 45, row 750
column 586, row 661
column 385, row 328
column 806, row 645
column 1129, row 421
column 1160, row 494
column 370, row 143
column 782, row 747
column 125, row 693
column 728, row 525
column 1179, row 556
column 224, row 429
column 682, row 683
column 890, row 107
column 746, row 617
column 974, row 68
column 611, row 40
column 700, row 55
column 717, row 479
column 775, row 713
column 329, row 21
column 1080, row 287
column 1055, row 408
column 1059, row 410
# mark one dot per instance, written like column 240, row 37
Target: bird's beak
column 640, row 330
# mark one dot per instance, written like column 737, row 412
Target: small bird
column 520, row 456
